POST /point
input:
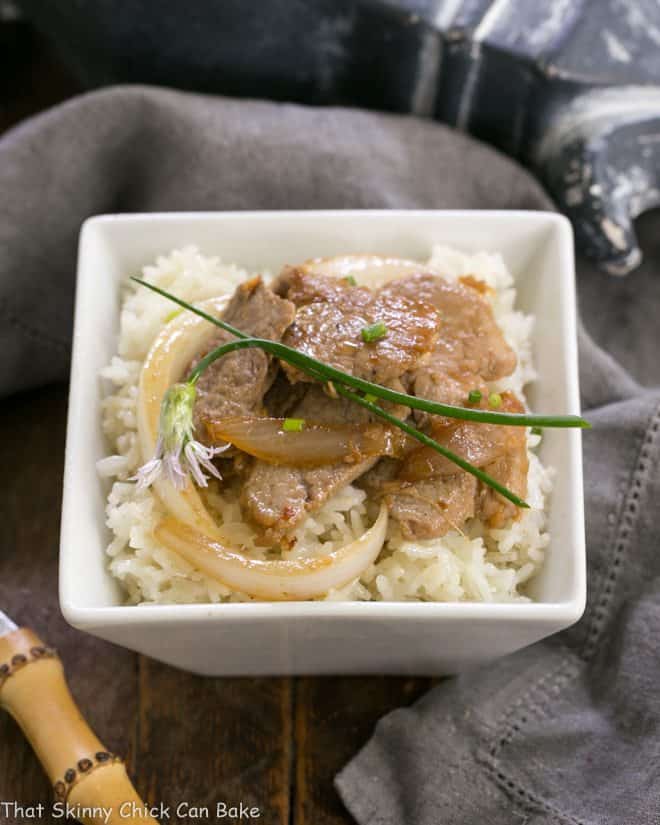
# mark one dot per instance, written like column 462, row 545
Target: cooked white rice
column 478, row 564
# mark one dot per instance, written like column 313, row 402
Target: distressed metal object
column 565, row 86
column 600, row 158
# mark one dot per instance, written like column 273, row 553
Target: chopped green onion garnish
column 370, row 399
column 293, row 425
column 374, row 332
column 172, row 315
column 495, row 399
column 350, row 280
column 536, row 431
column 474, row 396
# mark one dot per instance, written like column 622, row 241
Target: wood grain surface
column 275, row 744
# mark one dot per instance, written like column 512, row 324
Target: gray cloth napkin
column 564, row 732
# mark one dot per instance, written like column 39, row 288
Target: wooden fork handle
column 83, row 772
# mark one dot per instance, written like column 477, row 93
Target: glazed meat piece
column 332, row 314
column 283, row 396
column 237, row 383
column 511, row 471
column 499, row 451
column 471, row 342
column 480, row 444
column 431, row 508
column 425, row 508
column 381, row 477
column 375, row 268
column 470, row 348
column 430, row 495
column 277, row 497
column 510, row 468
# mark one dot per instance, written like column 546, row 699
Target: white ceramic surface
column 318, row 638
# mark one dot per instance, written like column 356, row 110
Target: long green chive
column 324, row 373
column 374, row 332
column 293, row 425
column 474, row 396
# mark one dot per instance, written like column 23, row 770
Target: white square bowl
column 320, row 637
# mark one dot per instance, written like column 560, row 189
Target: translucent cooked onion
column 274, row 580
column 191, row 531
column 370, row 270
column 172, row 351
column 312, row 446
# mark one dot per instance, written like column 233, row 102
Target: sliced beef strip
column 424, row 509
column 470, row 339
column 332, row 314
column 428, row 509
column 381, row 478
column 427, row 482
column 283, row 396
column 480, row 444
column 277, row 497
column 499, row 451
column 510, row 468
column 303, row 286
column 470, row 349
column 236, row 383
column 469, row 352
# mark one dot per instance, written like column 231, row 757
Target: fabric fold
column 563, row 732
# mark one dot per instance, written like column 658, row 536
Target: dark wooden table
column 271, row 743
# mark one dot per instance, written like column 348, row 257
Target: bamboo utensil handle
column 84, row 774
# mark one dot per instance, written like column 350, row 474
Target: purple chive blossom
column 177, row 453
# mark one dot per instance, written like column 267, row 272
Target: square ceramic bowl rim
column 561, row 613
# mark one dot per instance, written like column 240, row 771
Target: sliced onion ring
column 313, row 446
column 370, row 270
column 289, row 580
column 172, row 351
column 190, row 530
